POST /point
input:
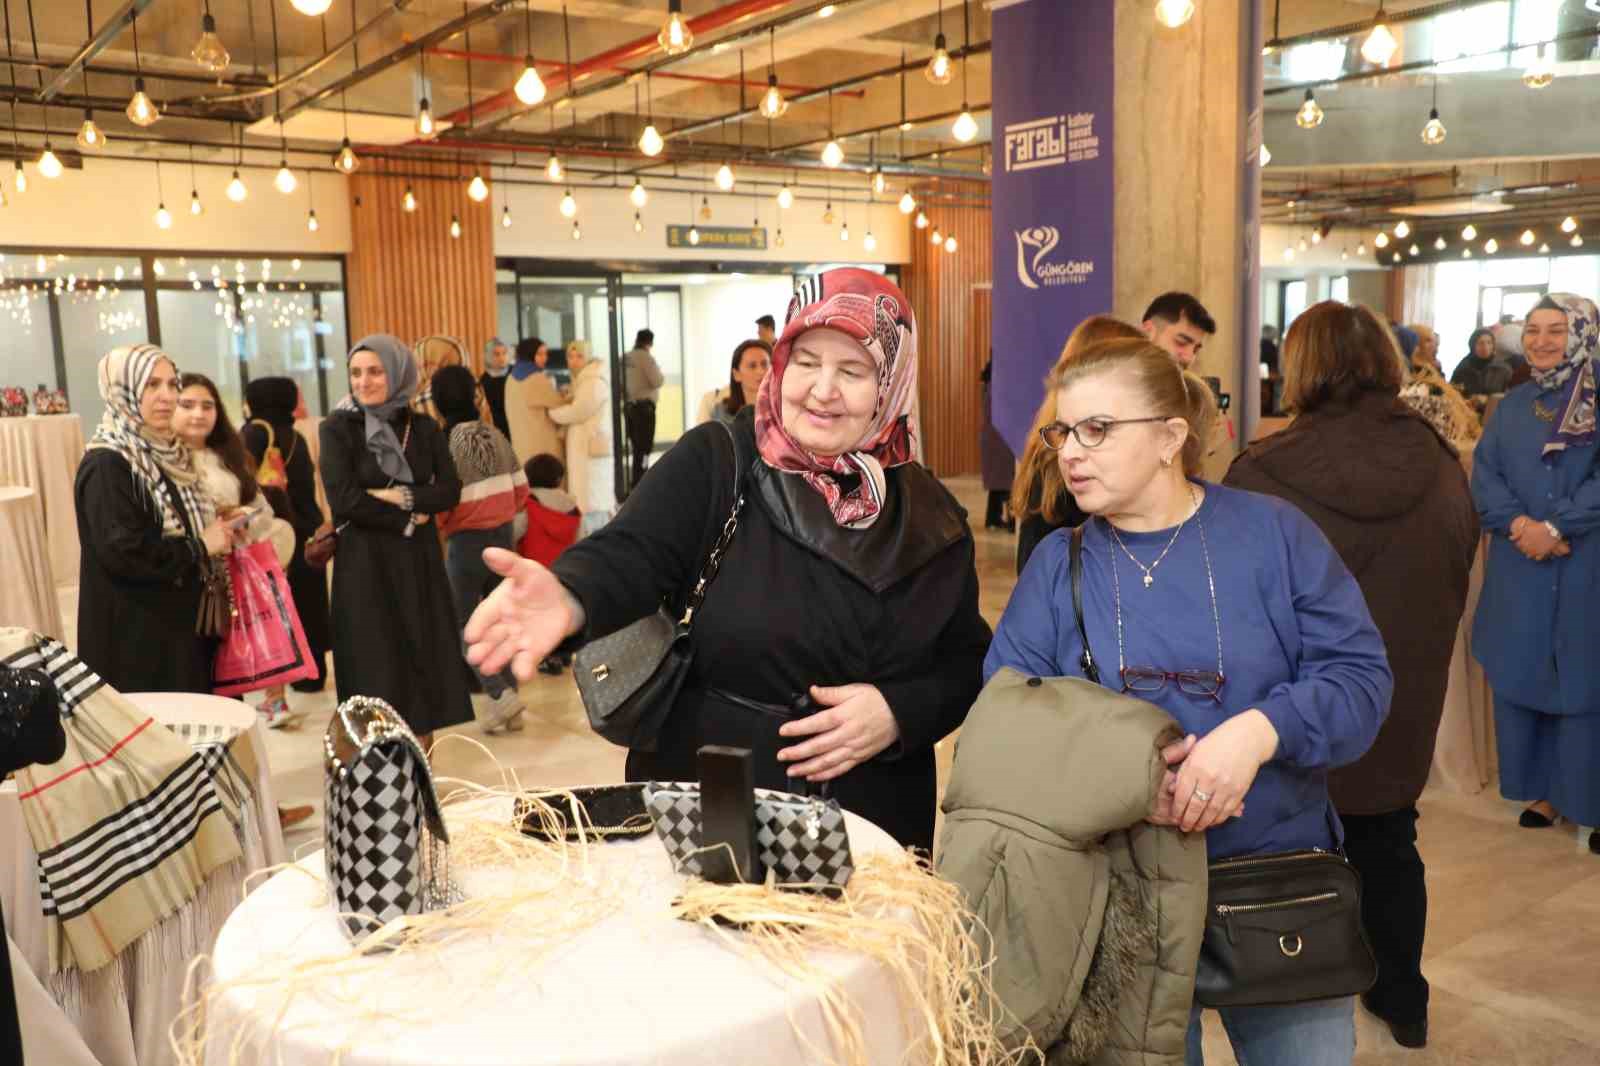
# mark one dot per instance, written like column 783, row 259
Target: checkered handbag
column 387, row 848
column 801, row 840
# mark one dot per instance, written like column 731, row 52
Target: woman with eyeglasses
column 1230, row 611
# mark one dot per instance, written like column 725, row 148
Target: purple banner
column 1052, row 190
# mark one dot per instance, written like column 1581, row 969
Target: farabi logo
column 1033, row 245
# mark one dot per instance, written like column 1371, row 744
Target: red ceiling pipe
column 559, row 69
column 625, row 53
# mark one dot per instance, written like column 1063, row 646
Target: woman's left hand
column 1220, row 769
column 856, row 726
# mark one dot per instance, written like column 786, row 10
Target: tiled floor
column 1514, row 929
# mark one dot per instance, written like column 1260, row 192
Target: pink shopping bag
column 265, row 645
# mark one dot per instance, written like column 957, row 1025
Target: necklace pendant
column 1149, row 580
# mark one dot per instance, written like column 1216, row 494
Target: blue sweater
column 1298, row 644
column 1535, row 628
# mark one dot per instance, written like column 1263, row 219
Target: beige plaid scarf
column 128, row 825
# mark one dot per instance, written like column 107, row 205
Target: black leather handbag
column 30, row 720
column 629, row 680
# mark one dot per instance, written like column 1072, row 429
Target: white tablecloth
column 41, row 452
column 123, row 1026
column 639, row 987
column 27, row 590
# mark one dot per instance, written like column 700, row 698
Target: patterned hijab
column 122, row 376
column 1574, row 376
column 868, row 308
column 401, row 367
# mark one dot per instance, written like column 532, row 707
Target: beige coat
column 528, row 404
column 1095, row 916
column 220, row 484
column 590, row 473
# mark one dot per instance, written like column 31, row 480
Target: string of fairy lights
column 676, row 37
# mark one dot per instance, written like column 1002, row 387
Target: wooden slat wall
column 953, row 335
column 407, row 275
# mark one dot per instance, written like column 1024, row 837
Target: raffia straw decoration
column 895, row 911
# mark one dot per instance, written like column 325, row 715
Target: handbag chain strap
column 720, row 549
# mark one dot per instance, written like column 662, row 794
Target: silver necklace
column 1150, row 571
column 1211, row 585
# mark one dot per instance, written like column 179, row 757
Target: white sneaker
column 503, row 712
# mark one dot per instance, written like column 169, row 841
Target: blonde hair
column 1171, row 391
column 1037, row 487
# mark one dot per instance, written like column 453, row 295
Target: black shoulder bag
column 630, row 679
column 1280, row 928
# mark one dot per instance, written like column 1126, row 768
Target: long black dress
column 797, row 602
column 394, row 628
column 307, row 584
column 138, row 591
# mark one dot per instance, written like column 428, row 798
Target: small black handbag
column 1280, row 928
column 629, row 680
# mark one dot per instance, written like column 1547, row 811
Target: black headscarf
column 272, row 400
column 455, row 395
column 1472, row 342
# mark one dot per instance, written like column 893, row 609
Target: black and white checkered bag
column 800, row 840
column 387, row 849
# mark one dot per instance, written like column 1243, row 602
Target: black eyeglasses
column 1091, row 432
column 1145, row 679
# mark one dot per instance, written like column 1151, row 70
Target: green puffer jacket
column 1095, row 917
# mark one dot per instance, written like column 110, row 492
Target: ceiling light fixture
column 650, row 141
column 477, row 188
column 1491, row 246
column 908, row 203
column 638, row 196
column 455, row 226
column 1527, row 238
column 208, row 50
column 675, row 37
column 163, row 216
column 638, row 222
column 1310, row 115
column 1174, row 13
column 1266, row 156
column 1544, row 249
column 236, row 189
column 1569, row 225
column 1433, row 131
column 1380, row 45
column 950, row 245
column 1469, row 232
column 577, row 233
column 1540, row 73
column 937, row 237
column 1402, row 229
column 832, row 154
column 965, row 127
column 785, row 197
column 773, row 105
column 408, row 202
column 725, row 178
column 141, row 111
column 1440, row 244
column 312, row 7
column 284, row 181
column 1577, row 240
column 705, row 208
column 939, row 69
column 569, row 204
column 1381, row 240
column 49, row 163
column 1414, row 250
column 922, row 220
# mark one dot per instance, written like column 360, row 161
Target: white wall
column 606, row 217
column 717, row 316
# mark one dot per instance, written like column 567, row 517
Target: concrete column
column 1186, row 182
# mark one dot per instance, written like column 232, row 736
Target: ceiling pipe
column 109, row 31
column 119, row 72
column 559, row 69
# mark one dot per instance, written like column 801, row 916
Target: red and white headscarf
column 868, row 308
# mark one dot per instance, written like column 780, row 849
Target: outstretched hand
column 523, row 620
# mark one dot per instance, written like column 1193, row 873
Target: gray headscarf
column 488, row 350
column 401, row 367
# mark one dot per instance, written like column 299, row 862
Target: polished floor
column 1513, row 948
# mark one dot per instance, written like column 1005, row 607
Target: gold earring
column 1167, row 461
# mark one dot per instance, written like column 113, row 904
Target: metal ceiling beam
column 102, row 38
column 559, row 69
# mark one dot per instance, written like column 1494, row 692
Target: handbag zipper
column 1291, row 856
column 1226, row 911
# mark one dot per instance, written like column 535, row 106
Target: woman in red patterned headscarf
column 840, row 638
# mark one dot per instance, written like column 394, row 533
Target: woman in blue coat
column 1537, row 487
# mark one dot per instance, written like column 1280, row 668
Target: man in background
column 767, row 330
column 641, row 383
column 1180, row 324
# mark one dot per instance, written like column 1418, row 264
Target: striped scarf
column 123, row 374
column 128, row 824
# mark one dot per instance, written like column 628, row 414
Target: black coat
column 394, row 623
column 494, row 391
column 797, row 602
column 308, row 584
column 138, row 591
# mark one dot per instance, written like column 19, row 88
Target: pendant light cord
column 468, row 43
column 13, row 70
column 88, row 13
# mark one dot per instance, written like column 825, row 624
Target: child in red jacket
column 553, row 515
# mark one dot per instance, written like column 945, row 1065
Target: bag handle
column 272, row 438
column 719, row 550
column 1075, row 555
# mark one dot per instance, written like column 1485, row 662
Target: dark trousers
column 1394, row 907
column 471, row 581
column 641, row 418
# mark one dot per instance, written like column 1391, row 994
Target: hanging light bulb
column 725, row 177
column 844, row 232
column 1361, row 248
column 950, row 244
column 1440, row 244
column 1174, row 13
column 1491, row 246
column 880, row 183
column 505, row 217
column 1527, row 238
column 785, row 197
column 908, row 203
column 553, row 169
column 311, row 221
column 1433, row 133
column 141, row 111
column 1310, row 115
column 346, row 160
column 638, row 223
column 195, row 207
column 569, row 205
column 1402, row 229
column 1381, row 240
column 675, row 37
column 869, row 242
column 1380, row 45
column 1414, row 250
column 1266, row 156
column 1569, row 225
column 236, row 190
column 1344, row 253
column 19, row 178
column 940, row 69
column 1316, row 236
column 1577, row 240
column 1540, row 73
column 89, row 134
column 827, row 214
column 1397, row 257
column 409, row 200
column 1466, row 253
column 477, row 188
column 965, row 127
column 694, row 235
column 778, row 240
column 455, row 226
column 163, row 217
column 832, row 154
column 650, row 142
column 311, row 7
column 577, row 234
column 637, row 195
column 426, row 130
column 1469, row 232
column 922, row 220
column 284, row 181
column 530, row 87
column 773, row 105
column 208, row 50
column 1304, row 245
column 49, row 165
column 938, row 238
column 1544, row 249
